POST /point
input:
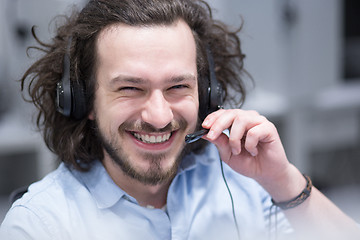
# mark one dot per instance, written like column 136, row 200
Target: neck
column 145, row 194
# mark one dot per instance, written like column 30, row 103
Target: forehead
column 140, row 50
column 162, row 34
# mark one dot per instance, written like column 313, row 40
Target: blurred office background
column 303, row 55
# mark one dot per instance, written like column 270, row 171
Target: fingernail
column 211, row 134
column 205, row 123
column 253, row 154
column 235, row 151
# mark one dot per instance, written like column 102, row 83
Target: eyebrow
column 137, row 80
column 182, row 78
column 127, row 79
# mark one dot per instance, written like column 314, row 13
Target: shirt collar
column 206, row 156
column 105, row 192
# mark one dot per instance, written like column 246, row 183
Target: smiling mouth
column 152, row 139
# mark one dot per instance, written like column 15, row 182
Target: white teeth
column 152, row 139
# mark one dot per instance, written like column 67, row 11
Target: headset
column 71, row 95
column 213, row 98
column 214, row 92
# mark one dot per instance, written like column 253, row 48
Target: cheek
column 188, row 110
column 110, row 116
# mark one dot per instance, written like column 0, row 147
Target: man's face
column 146, row 100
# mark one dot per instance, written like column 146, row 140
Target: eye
column 180, row 86
column 129, row 91
column 125, row 89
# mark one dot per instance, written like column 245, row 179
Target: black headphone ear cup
column 64, row 89
column 204, row 93
column 210, row 91
column 79, row 109
column 70, row 95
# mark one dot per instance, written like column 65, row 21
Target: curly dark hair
column 75, row 141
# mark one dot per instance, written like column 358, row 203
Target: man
column 140, row 73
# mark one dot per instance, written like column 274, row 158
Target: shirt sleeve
column 22, row 223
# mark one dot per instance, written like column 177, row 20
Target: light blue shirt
column 68, row 204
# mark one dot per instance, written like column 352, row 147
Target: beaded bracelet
column 298, row 199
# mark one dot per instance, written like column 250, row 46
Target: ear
column 91, row 115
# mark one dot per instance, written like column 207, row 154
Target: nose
column 157, row 110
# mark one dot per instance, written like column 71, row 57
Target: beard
column 155, row 174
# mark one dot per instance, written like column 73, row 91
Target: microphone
column 193, row 137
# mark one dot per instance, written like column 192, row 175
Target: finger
column 211, row 118
column 224, row 119
column 259, row 133
column 252, row 140
column 241, row 124
column 222, row 144
column 218, row 123
column 236, row 120
column 236, row 135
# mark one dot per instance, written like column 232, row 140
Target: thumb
column 222, row 144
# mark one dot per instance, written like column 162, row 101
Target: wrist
column 299, row 199
column 285, row 186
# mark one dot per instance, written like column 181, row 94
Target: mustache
column 140, row 126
